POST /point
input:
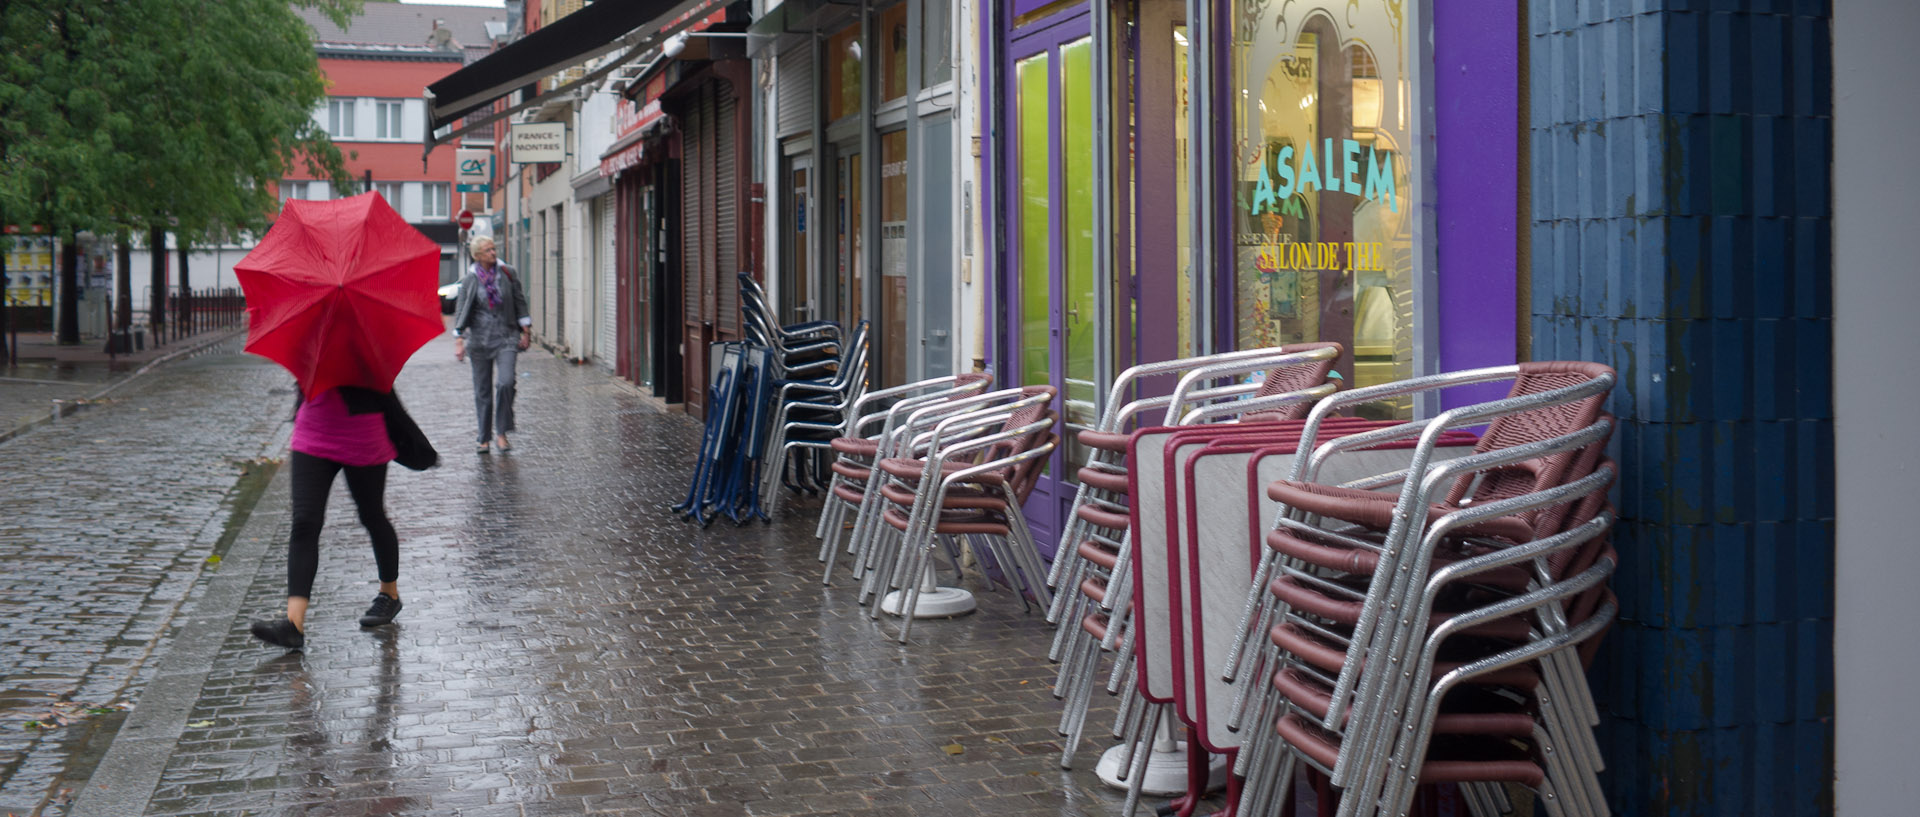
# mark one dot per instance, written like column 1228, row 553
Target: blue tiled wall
column 1680, row 161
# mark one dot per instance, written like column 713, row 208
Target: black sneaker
column 384, row 608
column 280, row 633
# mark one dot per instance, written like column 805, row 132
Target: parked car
column 447, row 294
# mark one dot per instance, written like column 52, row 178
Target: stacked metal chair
column 1090, row 572
column 806, row 415
column 1432, row 632
column 803, row 350
column 982, row 458
column 948, row 467
column 813, row 370
column 907, row 435
column 867, row 437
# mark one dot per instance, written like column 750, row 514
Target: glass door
column 890, row 327
column 849, row 256
column 1053, row 325
column 800, row 287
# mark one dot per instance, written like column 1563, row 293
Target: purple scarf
column 490, row 279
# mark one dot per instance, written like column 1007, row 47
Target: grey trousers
column 493, row 376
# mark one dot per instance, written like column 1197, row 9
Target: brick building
column 376, row 68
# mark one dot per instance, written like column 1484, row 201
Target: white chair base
column 1166, row 770
column 934, row 601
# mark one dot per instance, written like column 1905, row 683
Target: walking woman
column 357, row 431
column 491, row 326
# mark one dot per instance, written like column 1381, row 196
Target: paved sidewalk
column 51, row 380
column 110, row 515
column 568, row 647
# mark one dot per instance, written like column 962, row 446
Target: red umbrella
column 341, row 293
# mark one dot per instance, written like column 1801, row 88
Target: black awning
column 597, row 29
column 439, row 232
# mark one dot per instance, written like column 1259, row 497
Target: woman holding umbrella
column 491, row 326
column 357, row 431
column 341, row 293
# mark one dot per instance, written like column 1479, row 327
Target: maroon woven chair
column 978, row 486
column 1374, row 510
column 1333, row 540
column 855, row 450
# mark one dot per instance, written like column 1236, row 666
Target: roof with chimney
column 404, row 31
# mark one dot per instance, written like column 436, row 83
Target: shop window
column 1323, row 186
column 891, row 41
column 936, row 42
column 893, row 256
column 843, row 73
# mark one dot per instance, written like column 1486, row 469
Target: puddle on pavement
column 68, row 372
column 255, row 475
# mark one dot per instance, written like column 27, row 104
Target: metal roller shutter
column 692, row 260
column 796, row 90
column 726, row 216
column 608, row 342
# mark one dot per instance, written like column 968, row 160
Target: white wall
column 210, row 268
column 547, row 273
column 969, row 319
column 1875, row 292
column 592, row 135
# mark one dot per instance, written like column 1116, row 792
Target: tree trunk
column 70, row 290
column 123, row 290
column 157, row 289
column 186, row 295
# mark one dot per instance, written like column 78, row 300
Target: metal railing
column 192, row 311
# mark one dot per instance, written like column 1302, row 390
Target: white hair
column 479, row 242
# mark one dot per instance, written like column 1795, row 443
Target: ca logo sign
column 473, row 167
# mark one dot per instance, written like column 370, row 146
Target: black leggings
column 312, row 481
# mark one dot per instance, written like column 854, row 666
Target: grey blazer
column 471, row 292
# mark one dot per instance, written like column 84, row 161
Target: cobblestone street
column 567, row 646
column 110, row 516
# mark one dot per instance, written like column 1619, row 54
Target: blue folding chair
column 716, row 444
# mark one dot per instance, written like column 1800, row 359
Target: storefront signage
column 1347, row 256
column 473, row 171
column 1356, row 169
column 629, row 118
column 538, row 142
column 626, row 157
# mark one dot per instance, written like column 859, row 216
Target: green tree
column 118, row 115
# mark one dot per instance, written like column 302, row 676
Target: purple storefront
column 1352, row 177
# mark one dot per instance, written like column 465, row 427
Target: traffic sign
column 465, row 219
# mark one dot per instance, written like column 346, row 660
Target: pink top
column 323, row 428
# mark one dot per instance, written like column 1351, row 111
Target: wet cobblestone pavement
column 110, row 515
column 568, row 647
